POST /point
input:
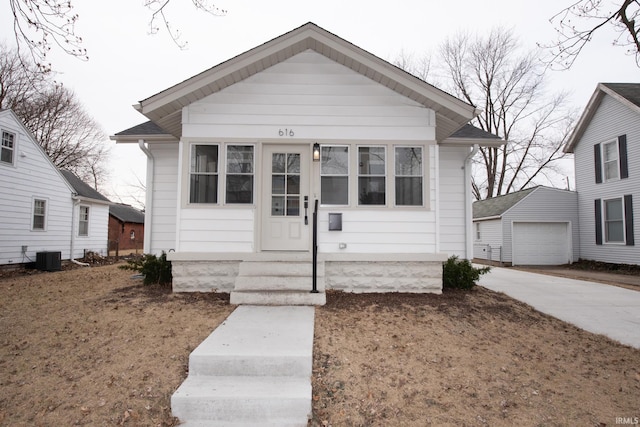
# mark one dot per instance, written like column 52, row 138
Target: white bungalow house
column 606, row 148
column 239, row 155
column 43, row 210
column 536, row 226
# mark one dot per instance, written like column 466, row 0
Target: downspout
column 468, row 212
column 148, row 203
column 76, row 203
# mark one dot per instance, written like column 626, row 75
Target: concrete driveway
column 594, row 307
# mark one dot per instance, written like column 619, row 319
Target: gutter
column 468, row 213
column 148, row 203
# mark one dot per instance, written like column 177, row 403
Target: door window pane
column 285, row 184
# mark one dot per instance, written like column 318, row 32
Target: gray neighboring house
column 537, row 226
column 606, row 148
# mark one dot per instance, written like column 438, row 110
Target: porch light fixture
column 316, row 152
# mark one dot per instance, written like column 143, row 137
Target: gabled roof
column 147, row 130
column 626, row 93
column 495, row 207
column 81, row 188
column 165, row 108
column 469, row 134
column 126, row 213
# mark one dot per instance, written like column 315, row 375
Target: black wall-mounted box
column 335, row 222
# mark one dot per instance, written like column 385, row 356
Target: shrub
column 461, row 274
column 156, row 270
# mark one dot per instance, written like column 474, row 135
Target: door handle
column 306, row 207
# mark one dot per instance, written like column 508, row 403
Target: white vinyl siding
column 217, row 230
column 94, row 219
column 312, row 98
column 32, row 176
column 489, row 245
column 162, row 222
column 610, row 120
column 452, row 222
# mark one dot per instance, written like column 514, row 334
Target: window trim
column 347, row 175
column 82, row 221
column 189, row 155
column 477, row 232
column 605, row 239
column 384, row 175
column 12, row 149
column 423, row 175
column 226, row 173
column 616, row 144
column 44, row 215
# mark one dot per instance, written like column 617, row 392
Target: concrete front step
column 277, row 283
column 275, row 297
column 279, row 268
column 253, row 400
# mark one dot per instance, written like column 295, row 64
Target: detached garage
column 537, row 226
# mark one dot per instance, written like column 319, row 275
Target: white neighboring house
column 536, row 226
column 239, row 154
column 40, row 209
column 606, row 148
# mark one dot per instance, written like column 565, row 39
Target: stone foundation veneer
column 360, row 273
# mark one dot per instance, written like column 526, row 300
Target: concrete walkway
column 594, row 307
column 254, row 369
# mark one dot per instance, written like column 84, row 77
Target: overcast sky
column 126, row 64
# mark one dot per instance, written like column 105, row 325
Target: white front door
column 286, row 213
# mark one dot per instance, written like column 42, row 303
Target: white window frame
column 605, row 221
column 43, row 215
column 190, row 172
column 606, row 161
column 84, row 212
column 422, row 175
column 227, row 173
column 4, row 147
column 347, row 174
column 383, row 175
column 478, row 235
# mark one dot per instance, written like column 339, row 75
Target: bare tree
column 53, row 114
column 508, row 86
column 577, row 23
column 40, row 25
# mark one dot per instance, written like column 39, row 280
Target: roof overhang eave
column 469, row 142
column 134, row 139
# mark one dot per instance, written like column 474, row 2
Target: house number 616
column 285, row 132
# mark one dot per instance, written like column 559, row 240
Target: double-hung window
column 334, row 175
column 39, row 214
column 83, row 221
column 613, row 221
column 371, row 176
column 409, row 176
column 7, row 147
column 239, row 174
column 203, row 174
column 610, row 160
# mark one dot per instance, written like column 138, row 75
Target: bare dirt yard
column 94, row 347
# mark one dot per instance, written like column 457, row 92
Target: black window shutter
column 598, row 206
column 628, row 219
column 598, row 163
column 622, row 150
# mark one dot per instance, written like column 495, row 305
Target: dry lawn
column 94, row 347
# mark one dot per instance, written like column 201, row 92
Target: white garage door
column 541, row 243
